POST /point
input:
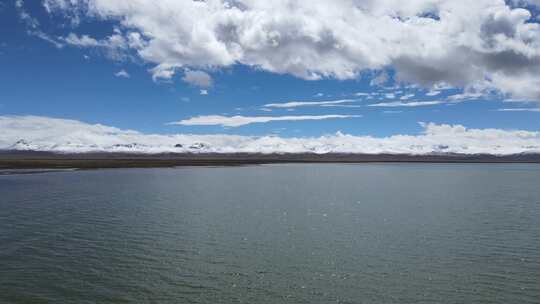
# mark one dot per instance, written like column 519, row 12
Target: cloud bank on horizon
column 61, row 135
column 481, row 45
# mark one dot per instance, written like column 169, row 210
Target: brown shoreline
column 48, row 160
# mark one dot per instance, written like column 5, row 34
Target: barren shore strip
column 47, row 160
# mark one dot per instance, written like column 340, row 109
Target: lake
column 299, row 233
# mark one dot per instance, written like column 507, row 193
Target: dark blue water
column 368, row 233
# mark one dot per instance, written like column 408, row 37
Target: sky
column 291, row 69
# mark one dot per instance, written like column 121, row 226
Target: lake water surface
column 313, row 233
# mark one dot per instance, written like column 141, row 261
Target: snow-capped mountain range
column 34, row 133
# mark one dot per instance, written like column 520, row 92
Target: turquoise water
column 331, row 233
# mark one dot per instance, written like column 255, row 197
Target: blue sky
column 82, row 83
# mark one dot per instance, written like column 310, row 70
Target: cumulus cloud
column 237, row 121
column 490, row 44
column 406, row 104
column 162, row 74
column 122, row 73
column 62, row 135
column 198, row 78
column 82, row 41
column 295, row 104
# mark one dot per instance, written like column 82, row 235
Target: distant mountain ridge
column 202, row 147
column 25, row 145
column 32, row 133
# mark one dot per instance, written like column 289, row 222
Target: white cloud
column 484, row 43
column 342, row 106
column 295, row 104
column 433, row 93
column 380, row 79
column 82, row 41
column 198, row 78
column 122, row 73
column 466, row 96
column 33, row 25
column 24, row 16
column 114, row 46
column 406, row 104
column 519, row 110
column 203, row 92
column 407, row 96
column 159, row 73
column 517, row 100
column 61, row 135
column 237, row 121
column 521, row 2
